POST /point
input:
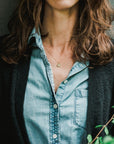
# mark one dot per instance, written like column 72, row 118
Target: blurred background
column 6, row 9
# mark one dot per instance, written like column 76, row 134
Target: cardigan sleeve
column 111, row 113
column 7, row 130
column 111, row 129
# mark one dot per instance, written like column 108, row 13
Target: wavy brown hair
column 90, row 38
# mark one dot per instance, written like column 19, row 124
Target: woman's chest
column 59, row 75
column 60, row 70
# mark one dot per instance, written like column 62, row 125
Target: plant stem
column 102, row 129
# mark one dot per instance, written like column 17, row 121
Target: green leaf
column 101, row 140
column 112, row 106
column 113, row 121
column 106, row 131
column 89, row 138
column 110, row 142
column 97, row 141
column 107, row 139
column 98, row 126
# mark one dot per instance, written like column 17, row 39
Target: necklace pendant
column 58, row 65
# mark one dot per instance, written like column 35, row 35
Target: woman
column 57, row 72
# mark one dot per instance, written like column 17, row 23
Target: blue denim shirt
column 54, row 118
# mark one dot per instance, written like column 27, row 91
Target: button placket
column 54, row 136
column 55, row 106
column 53, row 121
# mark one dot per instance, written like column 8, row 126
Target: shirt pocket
column 80, row 107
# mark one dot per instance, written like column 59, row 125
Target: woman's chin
column 62, row 4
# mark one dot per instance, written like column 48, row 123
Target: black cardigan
column 13, row 79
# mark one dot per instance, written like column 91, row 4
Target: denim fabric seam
column 76, row 112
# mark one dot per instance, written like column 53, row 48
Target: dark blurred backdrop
column 6, row 9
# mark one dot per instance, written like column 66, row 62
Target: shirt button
column 55, row 106
column 65, row 81
column 54, row 136
column 81, row 65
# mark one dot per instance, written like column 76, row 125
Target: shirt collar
column 38, row 39
column 39, row 44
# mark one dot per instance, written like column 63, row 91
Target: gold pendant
column 58, row 65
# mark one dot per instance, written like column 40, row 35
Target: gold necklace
column 58, row 64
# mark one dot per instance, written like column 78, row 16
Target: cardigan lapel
column 95, row 98
column 90, row 108
column 19, row 81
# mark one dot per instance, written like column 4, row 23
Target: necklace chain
column 58, row 64
column 60, row 71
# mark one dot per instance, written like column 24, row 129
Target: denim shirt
column 54, row 118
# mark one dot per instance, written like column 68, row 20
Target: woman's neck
column 59, row 24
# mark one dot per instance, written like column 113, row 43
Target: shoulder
column 1, row 42
column 110, row 65
column 112, row 41
column 2, row 38
column 106, row 70
column 3, row 64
